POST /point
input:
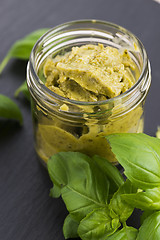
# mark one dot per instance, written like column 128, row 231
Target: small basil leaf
column 70, row 227
column 126, row 233
column 22, row 48
column 9, row 109
column 114, row 176
column 97, row 225
column 24, row 89
column 150, row 229
column 84, row 186
column 55, row 192
column 118, row 206
column 139, row 154
column 148, row 200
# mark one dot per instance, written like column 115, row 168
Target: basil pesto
column 89, row 73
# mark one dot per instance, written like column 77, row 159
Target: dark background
column 26, row 210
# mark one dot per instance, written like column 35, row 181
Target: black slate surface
column 26, row 210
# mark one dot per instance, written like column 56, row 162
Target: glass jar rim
column 52, row 96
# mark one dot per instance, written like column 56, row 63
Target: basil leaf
column 139, row 154
column 22, row 48
column 24, row 89
column 35, row 35
column 9, row 109
column 150, row 229
column 70, row 227
column 118, row 206
column 55, row 192
column 114, row 176
column 98, row 225
column 148, row 200
column 84, row 186
column 126, row 233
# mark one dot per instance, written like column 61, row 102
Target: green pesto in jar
column 89, row 73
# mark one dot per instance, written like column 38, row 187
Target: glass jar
column 61, row 124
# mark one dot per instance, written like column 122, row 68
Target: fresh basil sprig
column 97, row 198
column 9, row 109
column 22, row 48
column 84, row 184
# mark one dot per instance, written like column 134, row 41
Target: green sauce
column 88, row 73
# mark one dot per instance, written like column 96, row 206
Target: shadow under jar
column 62, row 124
